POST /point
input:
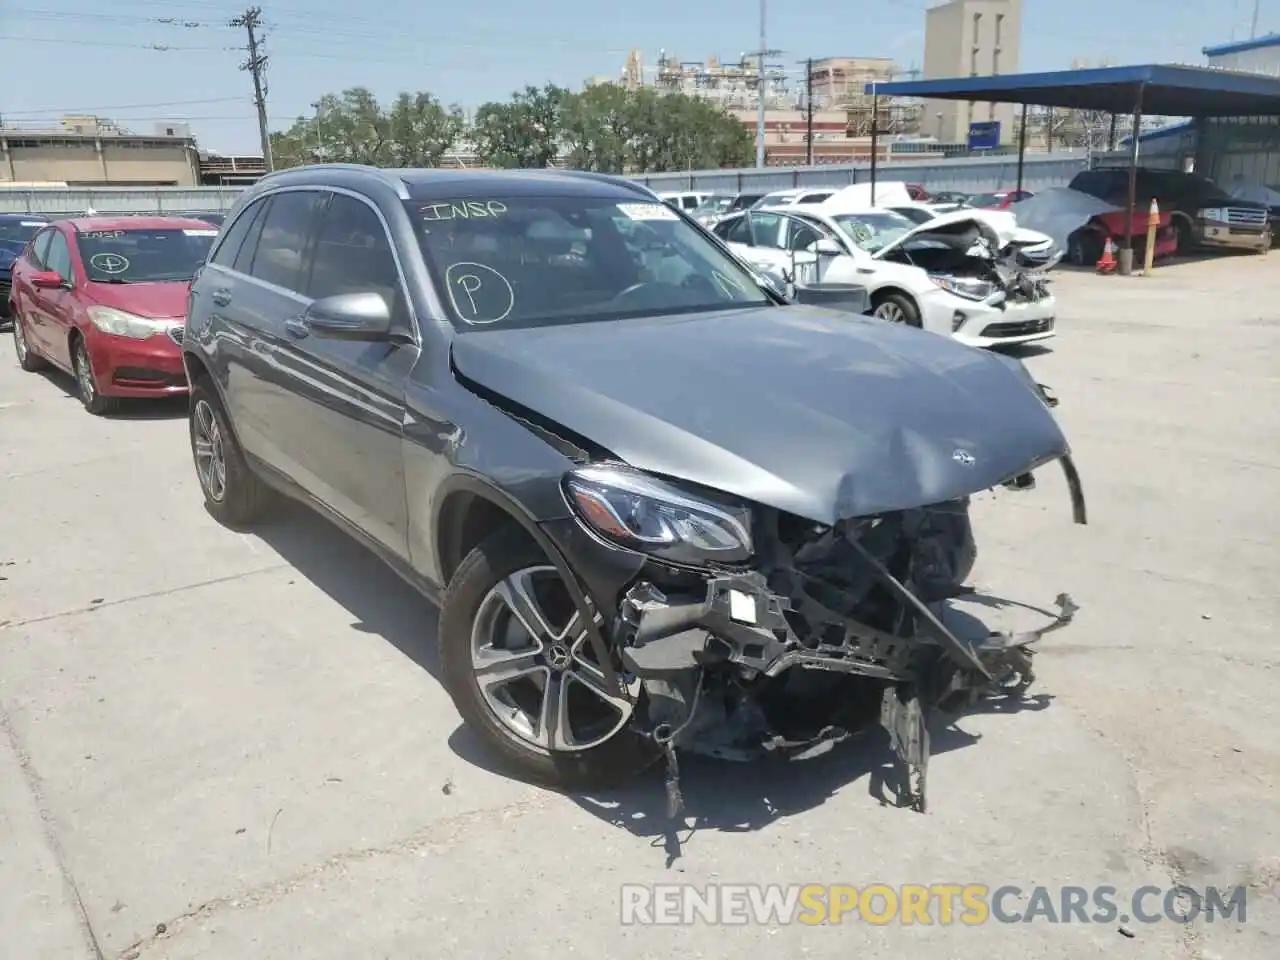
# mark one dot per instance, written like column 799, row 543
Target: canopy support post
column 875, row 142
column 1125, row 266
column 1022, row 149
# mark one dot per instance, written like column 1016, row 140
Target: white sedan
column 942, row 276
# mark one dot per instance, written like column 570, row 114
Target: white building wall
column 1260, row 56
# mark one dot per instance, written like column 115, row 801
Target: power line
column 251, row 20
column 161, row 47
column 61, row 111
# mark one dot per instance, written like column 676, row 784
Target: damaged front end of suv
column 757, row 631
column 775, row 540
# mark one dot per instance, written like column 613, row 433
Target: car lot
column 223, row 744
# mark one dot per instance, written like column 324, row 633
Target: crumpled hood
column 814, row 412
column 945, row 225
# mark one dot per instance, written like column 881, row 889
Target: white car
column 795, row 198
column 684, row 201
column 1034, row 249
column 943, row 276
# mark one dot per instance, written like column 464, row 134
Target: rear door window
column 233, row 239
column 736, row 231
column 767, row 230
column 282, row 252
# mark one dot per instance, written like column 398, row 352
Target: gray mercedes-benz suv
column 658, row 504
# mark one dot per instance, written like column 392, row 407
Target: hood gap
column 574, row 446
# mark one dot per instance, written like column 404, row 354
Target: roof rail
column 613, row 178
column 385, row 176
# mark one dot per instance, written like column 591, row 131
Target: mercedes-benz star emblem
column 964, row 458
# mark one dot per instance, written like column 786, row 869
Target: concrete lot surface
column 225, row 745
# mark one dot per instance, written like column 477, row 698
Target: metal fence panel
column 105, row 200
column 962, row 174
column 973, row 174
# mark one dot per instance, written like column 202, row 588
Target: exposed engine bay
column 969, row 254
column 836, row 629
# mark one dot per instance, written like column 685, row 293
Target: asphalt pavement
column 216, row 744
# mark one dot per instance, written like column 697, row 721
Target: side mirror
column 845, row 297
column 827, row 247
column 351, row 316
column 48, row 280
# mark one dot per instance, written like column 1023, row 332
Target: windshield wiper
column 109, row 280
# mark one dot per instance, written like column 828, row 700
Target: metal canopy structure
column 1151, row 89
column 1167, row 90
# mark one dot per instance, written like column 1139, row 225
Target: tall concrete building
column 970, row 38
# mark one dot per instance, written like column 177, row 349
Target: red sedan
column 104, row 298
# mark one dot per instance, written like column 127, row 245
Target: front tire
column 895, row 308
column 233, row 493
column 87, row 383
column 516, row 662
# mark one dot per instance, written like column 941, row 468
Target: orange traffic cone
column 1107, row 263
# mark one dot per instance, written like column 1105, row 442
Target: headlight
column 645, row 514
column 121, row 324
column 965, row 287
column 1214, row 213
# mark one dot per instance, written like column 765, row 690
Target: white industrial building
column 1259, row 55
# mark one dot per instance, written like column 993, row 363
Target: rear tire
column 464, row 615
column 895, row 308
column 28, row 359
column 1084, row 248
column 233, row 493
column 1184, row 237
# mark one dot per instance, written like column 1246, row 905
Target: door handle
column 221, row 297
column 298, row 326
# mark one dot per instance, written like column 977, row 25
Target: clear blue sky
column 59, row 56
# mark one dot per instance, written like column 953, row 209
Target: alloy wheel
column 532, row 663
column 84, row 374
column 19, row 340
column 211, row 461
column 890, row 312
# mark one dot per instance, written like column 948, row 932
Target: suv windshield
column 873, row 231
column 144, row 256
column 532, row 261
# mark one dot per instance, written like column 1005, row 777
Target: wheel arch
column 879, row 294
column 468, row 506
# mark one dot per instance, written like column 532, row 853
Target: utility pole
column 760, row 85
column 251, row 20
column 808, row 112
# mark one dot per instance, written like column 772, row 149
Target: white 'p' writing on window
column 479, row 294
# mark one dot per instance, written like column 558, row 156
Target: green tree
column 352, row 127
column 523, row 132
column 599, row 128
column 610, row 129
